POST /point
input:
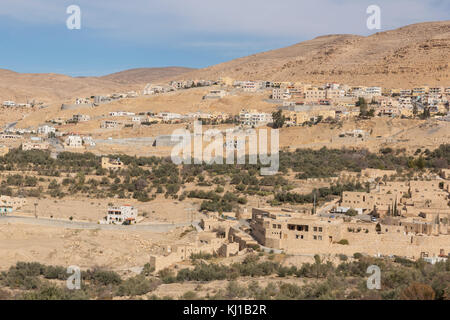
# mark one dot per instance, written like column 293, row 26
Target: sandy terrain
column 115, row 249
column 92, row 210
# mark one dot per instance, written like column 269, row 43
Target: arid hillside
column 145, row 75
column 412, row 55
column 50, row 87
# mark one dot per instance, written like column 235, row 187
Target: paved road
column 90, row 225
column 128, row 141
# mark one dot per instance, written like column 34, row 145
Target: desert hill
column 145, row 75
column 51, row 87
column 413, row 55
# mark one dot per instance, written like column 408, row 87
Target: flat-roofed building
column 288, row 230
column 281, row 94
column 73, row 141
column 45, row 129
column 34, row 145
column 10, row 204
column 121, row 214
column 301, row 114
column 254, row 118
column 315, row 94
column 109, row 124
column 81, row 117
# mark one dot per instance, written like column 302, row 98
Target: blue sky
column 117, row 34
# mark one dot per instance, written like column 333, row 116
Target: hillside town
column 299, row 104
column 291, row 174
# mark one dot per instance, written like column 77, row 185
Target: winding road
column 157, row 227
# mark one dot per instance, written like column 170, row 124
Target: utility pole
column 314, row 205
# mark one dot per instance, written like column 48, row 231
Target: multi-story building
column 400, row 194
column 405, row 102
column 365, row 202
column 109, row 124
column 254, row 118
column 419, row 91
column 74, row 141
column 301, row 114
column 373, row 91
column 121, row 214
column 250, row 86
column 294, row 232
column 405, row 92
column 315, row 94
column 280, row 229
column 334, row 93
column 81, row 117
column 281, row 94
column 436, row 90
column 45, row 129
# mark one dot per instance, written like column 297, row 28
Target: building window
column 315, row 237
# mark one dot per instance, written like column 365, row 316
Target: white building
column 81, row 117
column 88, row 141
column 74, row 141
column 168, row 116
column 34, row 146
column 121, row 113
column 254, row 118
column 250, row 86
column 45, row 129
column 334, row 93
column 9, row 103
column 108, row 124
column 280, row 94
column 121, row 214
column 315, row 94
column 405, row 102
column 405, row 92
column 373, row 91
